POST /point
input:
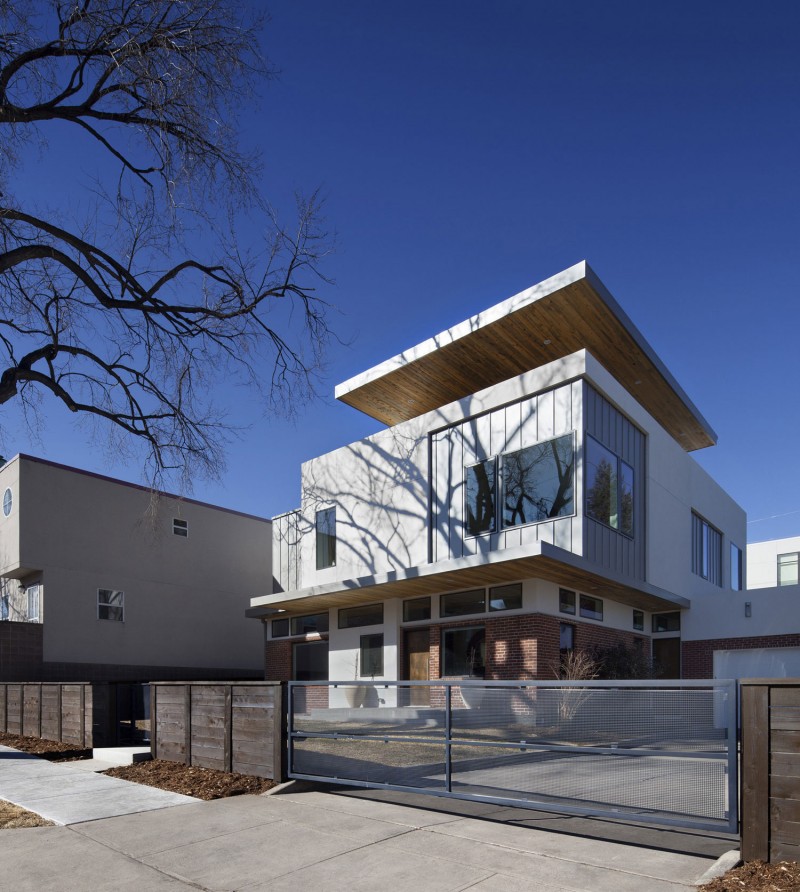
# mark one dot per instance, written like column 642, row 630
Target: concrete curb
column 722, row 865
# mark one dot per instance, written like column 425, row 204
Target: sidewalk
column 337, row 838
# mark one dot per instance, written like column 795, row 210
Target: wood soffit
column 353, row 592
column 576, row 315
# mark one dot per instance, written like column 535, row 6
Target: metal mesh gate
column 661, row 752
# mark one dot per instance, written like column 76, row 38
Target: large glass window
column 667, row 622
column 310, row 661
column 464, row 652
column 706, row 550
column 371, row 661
column 461, row 603
column 280, row 628
column 110, row 604
column 481, row 494
column 538, row 482
column 363, row 615
column 326, row 538
column 787, row 569
column 609, row 488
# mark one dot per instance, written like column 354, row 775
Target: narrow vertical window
column 706, row 550
column 736, row 568
column 33, row 603
column 609, row 488
column 326, row 538
column 481, row 493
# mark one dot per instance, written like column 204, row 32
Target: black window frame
column 475, row 525
column 588, row 612
column 369, row 664
column 479, row 659
column 449, row 613
column 325, row 527
column 615, row 519
column 417, row 601
column 355, row 617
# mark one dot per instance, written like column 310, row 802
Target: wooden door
column 667, row 657
column 417, row 664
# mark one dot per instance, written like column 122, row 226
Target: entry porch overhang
column 540, row 561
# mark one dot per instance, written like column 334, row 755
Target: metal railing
column 659, row 752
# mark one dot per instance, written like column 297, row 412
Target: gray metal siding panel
column 604, row 546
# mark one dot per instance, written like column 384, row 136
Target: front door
column 667, row 657
column 417, row 668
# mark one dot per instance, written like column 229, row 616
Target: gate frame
column 730, row 723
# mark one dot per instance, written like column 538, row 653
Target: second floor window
column 481, row 490
column 537, row 482
column 609, row 488
column 736, row 568
column 706, row 550
column 326, row 538
column 787, row 568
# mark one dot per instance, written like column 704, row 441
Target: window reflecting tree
column 538, row 482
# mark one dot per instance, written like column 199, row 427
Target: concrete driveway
column 339, row 838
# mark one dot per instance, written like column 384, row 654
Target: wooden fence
column 770, row 769
column 231, row 726
column 80, row 713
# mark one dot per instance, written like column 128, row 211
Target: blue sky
column 468, row 150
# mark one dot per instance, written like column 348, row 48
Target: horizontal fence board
column 783, row 851
column 785, row 764
column 784, row 696
column 785, row 811
column 785, row 742
column 227, row 725
column 786, row 718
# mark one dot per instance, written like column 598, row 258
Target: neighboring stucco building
column 105, row 580
column 533, row 492
column 753, row 633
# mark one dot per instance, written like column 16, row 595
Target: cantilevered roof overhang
column 542, row 561
column 553, row 319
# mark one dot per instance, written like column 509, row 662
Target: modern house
column 105, row 580
column 532, row 491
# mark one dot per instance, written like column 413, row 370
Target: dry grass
column 12, row 817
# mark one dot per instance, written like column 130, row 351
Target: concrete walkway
column 66, row 794
column 339, row 838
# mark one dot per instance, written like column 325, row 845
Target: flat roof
column 566, row 313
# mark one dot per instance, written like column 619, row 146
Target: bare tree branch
column 104, row 316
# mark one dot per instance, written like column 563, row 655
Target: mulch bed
column 51, row 750
column 203, row 783
column 756, row 876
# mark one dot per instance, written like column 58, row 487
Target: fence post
column 279, row 734
column 755, row 772
column 227, row 728
column 153, row 720
column 187, row 730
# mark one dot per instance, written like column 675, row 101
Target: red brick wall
column 697, row 657
column 278, row 655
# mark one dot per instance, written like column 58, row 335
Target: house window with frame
column 34, row 602
column 371, row 656
column 566, row 601
column 566, row 640
column 736, row 568
column 464, row 652
column 706, row 550
column 538, row 482
column 314, row 623
column 481, row 495
column 591, row 608
column 788, row 568
column 4, row 611
column 609, row 488
column 638, row 622
column 667, row 622
column 326, row 538
column 310, row 661
column 180, row 527
column 462, row 603
column 280, row 628
column 505, row 597
column 111, row 604
column 416, row 609
column 362, row 615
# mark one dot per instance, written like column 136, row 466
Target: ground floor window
column 464, row 652
column 371, row 657
column 310, row 661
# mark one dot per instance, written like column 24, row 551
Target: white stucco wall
column 184, row 597
column 721, row 614
column 762, row 560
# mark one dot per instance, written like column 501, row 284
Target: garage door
column 758, row 662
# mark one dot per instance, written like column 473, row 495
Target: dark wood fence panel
column 79, row 713
column 224, row 725
column 771, row 770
